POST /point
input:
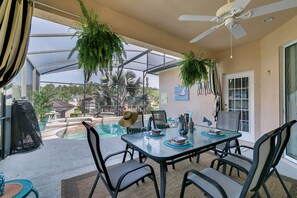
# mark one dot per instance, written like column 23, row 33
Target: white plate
column 176, row 143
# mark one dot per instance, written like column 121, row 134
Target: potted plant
column 42, row 105
column 97, row 45
column 194, row 70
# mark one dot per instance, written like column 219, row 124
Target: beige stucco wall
column 271, row 84
column 201, row 105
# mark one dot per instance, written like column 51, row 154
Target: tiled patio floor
column 56, row 160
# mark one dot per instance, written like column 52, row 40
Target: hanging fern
column 194, row 70
column 97, row 46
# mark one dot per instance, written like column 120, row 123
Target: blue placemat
column 154, row 136
column 212, row 135
column 188, row 145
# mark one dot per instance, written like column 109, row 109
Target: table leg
column 162, row 179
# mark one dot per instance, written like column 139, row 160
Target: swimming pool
column 105, row 130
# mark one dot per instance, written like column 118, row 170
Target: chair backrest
column 228, row 120
column 94, row 143
column 283, row 141
column 263, row 156
column 159, row 118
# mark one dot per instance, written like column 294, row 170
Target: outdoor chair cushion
column 115, row 172
column 231, row 187
column 238, row 161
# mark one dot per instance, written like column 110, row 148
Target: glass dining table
column 164, row 151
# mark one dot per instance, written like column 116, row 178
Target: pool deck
column 58, row 159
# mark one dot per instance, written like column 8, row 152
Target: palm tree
column 120, row 89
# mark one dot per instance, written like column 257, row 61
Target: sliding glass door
column 290, row 96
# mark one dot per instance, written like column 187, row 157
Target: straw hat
column 128, row 119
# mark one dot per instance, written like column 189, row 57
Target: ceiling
column 163, row 14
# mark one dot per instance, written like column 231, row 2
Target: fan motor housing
column 228, row 11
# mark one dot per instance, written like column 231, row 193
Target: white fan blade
column 274, row 7
column 207, row 32
column 237, row 31
column 195, row 18
column 240, row 4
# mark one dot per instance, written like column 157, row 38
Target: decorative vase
column 180, row 124
column 185, row 132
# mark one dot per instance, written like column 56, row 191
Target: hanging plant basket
column 97, row 46
column 194, row 70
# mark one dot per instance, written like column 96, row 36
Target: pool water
column 106, row 130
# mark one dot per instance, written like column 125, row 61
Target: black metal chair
column 216, row 184
column 138, row 126
column 244, row 164
column 120, row 176
column 228, row 120
column 160, row 119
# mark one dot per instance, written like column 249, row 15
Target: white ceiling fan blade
column 241, row 3
column 274, row 7
column 195, row 18
column 237, row 31
column 207, row 32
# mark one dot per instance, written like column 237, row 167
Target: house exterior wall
column 201, row 105
column 69, row 112
column 271, row 92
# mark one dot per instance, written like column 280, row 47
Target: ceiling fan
column 229, row 13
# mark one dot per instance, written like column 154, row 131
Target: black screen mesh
column 25, row 129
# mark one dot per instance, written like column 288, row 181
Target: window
column 29, row 81
column 290, row 96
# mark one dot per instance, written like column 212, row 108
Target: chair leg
column 190, row 158
column 197, row 158
column 184, row 185
column 173, row 165
column 94, row 185
column 35, row 192
column 282, row 182
column 153, row 177
column 230, row 172
column 266, row 191
column 125, row 154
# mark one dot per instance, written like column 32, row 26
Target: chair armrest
column 231, row 163
column 130, row 171
column 117, row 153
column 209, row 180
column 243, row 146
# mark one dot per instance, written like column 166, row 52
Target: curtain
column 15, row 23
column 215, row 86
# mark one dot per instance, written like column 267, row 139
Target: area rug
column 80, row 186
